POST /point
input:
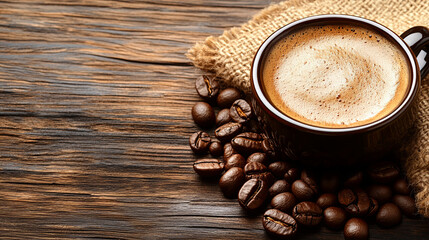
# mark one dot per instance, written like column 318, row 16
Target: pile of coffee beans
column 249, row 169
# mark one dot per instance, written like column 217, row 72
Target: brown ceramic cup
column 321, row 146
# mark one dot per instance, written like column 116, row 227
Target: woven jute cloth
column 230, row 57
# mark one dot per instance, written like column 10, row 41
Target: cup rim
column 268, row 107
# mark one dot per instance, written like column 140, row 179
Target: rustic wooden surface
column 95, row 99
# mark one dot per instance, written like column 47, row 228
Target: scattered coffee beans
column 231, row 182
column 209, row 167
column 228, row 151
column 310, row 196
column 406, row 204
column 216, row 149
column 199, row 142
column 389, row 215
column 307, row 213
column 207, row 87
column 253, row 194
column 267, row 147
column 310, row 178
column 356, row 229
column 228, row 96
column 327, row 200
column 373, row 207
column 302, row 191
column 203, row 115
column 381, row 193
column 236, row 160
column 247, row 143
column 279, row 224
column 254, row 169
column 278, row 187
column 383, row 172
column 223, row 117
column 258, row 157
column 334, row 217
column 279, row 168
column 258, row 170
column 401, row 187
column 227, row 131
column 240, row 111
column 284, row 202
column 355, row 202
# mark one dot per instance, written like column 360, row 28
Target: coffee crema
column 336, row 76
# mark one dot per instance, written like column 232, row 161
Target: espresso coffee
column 336, row 76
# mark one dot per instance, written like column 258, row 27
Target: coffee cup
column 338, row 89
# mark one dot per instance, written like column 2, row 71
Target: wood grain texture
column 95, row 100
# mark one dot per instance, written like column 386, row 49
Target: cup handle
column 417, row 39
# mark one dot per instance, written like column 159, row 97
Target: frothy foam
column 335, row 76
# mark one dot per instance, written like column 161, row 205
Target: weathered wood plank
column 95, row 99
column 100, row 30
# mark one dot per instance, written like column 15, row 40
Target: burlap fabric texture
column 230, row 56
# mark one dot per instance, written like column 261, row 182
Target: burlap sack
column 230, row 56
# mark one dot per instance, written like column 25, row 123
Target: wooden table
column 95, row 100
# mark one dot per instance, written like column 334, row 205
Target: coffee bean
column 278, row 187
column 307, row 213
column 223, row 117
column 356, row 229
column 240, row 111
column 208, row 167
column 279, row 224
column 401, row 187
column 258, row 157
column 356, row 202
column 227, row 96
column 231, row 182
column 199, row 142
column 334, row 218
column 388, row 215
column 353, row 180
column 329, row 183
column 253, row 194
column 228, row 131
column 258, row 170
column 302, row 191
column 381, row 193
column 216, row 148
column 406, row 204
column 383, row 172
column 236, row 160
column 207, row 87
column 254, row 168
column 291, row 175
column 327, row 200
column 247, row 143
column 284, row 201
column 228, row 151
column 268, row 148
column 373, row 207
column 203, row 115
column 279, row 168
column 310, row 178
